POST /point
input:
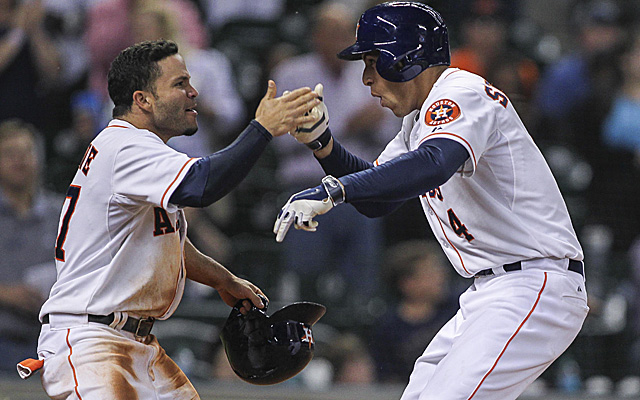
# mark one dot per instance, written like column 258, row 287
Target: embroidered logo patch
column 442, row 112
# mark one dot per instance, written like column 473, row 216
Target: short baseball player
column 488, row 195
column 122, row 254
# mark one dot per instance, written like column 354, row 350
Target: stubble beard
column 166, row 120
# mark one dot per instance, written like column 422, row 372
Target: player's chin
column 190, row 131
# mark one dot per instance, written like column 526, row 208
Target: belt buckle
column 143, row 328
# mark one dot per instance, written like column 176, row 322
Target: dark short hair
column 136, row 68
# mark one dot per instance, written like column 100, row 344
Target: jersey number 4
column 458, row 227
column 72, row 194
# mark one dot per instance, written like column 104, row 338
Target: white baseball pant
column 509, row 328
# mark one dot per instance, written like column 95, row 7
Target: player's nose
column 192, row 92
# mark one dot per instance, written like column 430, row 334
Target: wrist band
column 334, row 189
column 321, row 142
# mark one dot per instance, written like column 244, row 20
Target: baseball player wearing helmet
column 488, row 195
column 122, row 254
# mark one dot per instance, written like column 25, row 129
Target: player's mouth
column 377, row 96
column 191, row 111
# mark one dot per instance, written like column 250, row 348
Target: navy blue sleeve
column 213, row 177
column 379, row 190
column 340, row 162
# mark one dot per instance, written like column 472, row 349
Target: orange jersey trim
column 473, row 155
column 174, row 181
column 544, row 284
column 75, row 378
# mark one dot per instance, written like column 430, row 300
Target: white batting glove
column 303, row 206
column 315, row 135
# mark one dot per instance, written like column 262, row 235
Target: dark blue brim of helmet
column 356, row 50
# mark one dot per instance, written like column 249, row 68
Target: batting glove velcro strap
column 315, row 134
column 334, row 189
column 300, row 210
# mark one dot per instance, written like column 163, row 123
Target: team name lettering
column 162, row 222
column 89, row 156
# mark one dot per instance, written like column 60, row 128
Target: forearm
column 204, row 269
column 213, row 177
column 337, row 161
column 46, row 56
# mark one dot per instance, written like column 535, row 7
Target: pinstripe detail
column 544, row 284
column 75, row 378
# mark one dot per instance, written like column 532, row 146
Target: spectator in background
column 29, row 220
column 621, row 127
column 424, row 299
column 351, row 360
column 486, row 51
column 349, row 247
column 220, row 12
column 29, row 62
column 575, row 92
column 621, row 139
column 109, row 30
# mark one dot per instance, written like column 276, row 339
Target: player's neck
column 429, row 78
column 141, row 122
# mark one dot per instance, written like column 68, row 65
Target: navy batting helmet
column 265, row 350
column 411, row 37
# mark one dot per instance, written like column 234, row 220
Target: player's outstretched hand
column 303, row 206
column 236, row 289
column 280, row 115
column 306, row 133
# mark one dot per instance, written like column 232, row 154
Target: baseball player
column 122, row 255
column 488, row 195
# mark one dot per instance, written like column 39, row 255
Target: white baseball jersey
column 120, row 241
column 503, row 205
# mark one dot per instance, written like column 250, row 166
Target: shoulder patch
column 442, row 112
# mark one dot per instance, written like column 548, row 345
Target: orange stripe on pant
column 512, row 337
column 75, row 378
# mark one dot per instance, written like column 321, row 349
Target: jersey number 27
column 72, row 194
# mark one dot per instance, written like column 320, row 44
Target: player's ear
column 142, row 100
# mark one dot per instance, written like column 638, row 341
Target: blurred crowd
column 571, row 67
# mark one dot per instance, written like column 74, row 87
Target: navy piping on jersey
column 377, row 191
column 211, row 178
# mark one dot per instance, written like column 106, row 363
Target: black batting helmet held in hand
column 264, row 350
column 410, row 37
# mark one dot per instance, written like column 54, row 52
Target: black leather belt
column 139, row 327
column 575, row 266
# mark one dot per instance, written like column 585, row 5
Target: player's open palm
column 280, row 115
